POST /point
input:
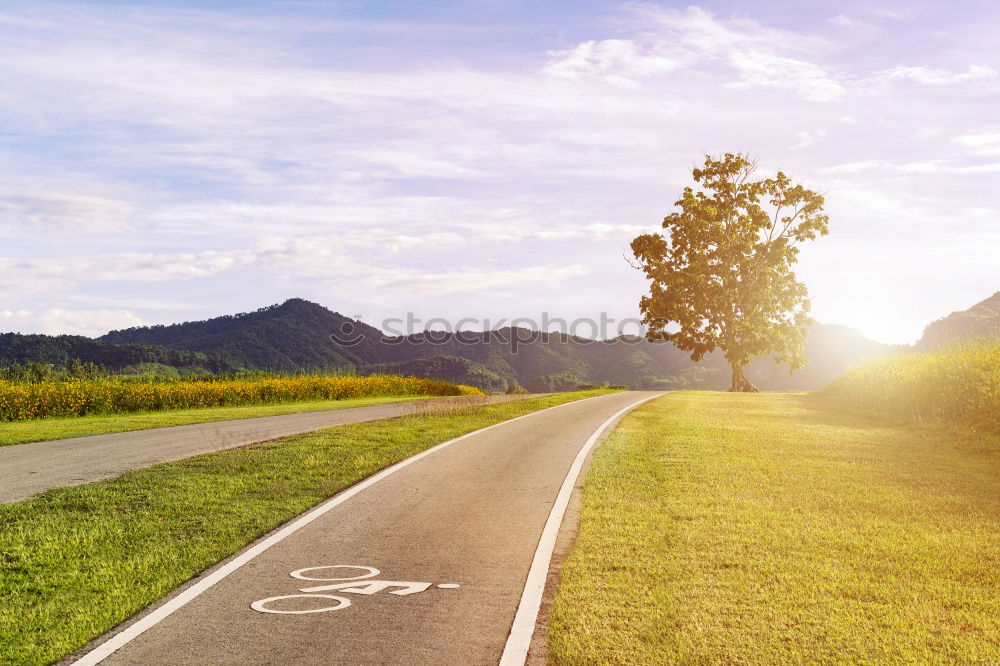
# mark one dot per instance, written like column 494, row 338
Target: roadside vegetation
column 42, row 430
column 75, row 562
column 959, row 384
column 780, row 528
column 81, row 396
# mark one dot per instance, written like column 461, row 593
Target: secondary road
column 440, row 548
column 28, row 469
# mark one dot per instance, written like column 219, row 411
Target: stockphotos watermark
column 511, row 332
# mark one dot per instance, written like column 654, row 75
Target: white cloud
column 471, row 280
column 893, row 14
column 977, row 211
column 249, row 113
column 360, row 256
column 926, row 133
column 699, row 31
column 64, row 212
column 20, row 278
column 56, row 321
column 758, row 68
column 618, row 61
column 414, row 163
column 982, row 142
column 935, row 77
column 923, row 167
column 844, row 21
column 597, row 231
column 881, row 204
column 855, row 167
column 808, row 139
column 695, row 38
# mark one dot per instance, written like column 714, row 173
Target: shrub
column 554, row 383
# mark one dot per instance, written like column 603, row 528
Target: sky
column 172, row 161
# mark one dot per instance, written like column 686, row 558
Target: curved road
column 440, row 547
column 28, row 469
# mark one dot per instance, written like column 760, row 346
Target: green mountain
column 60, row 350
column 521, row 355
column 293, row 336
column 300, row 335
column 982, row 320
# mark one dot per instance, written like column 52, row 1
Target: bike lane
column 437, row 554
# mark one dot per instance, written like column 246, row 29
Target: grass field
column 74, row 562
column 41, row 430
column 767, row 529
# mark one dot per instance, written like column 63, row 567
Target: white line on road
column 515, row 652
column 119, row 640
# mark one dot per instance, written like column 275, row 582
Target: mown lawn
column 74, row 562
column 768, row 529
column 41, row 430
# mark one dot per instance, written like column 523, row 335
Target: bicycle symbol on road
column 362, row 584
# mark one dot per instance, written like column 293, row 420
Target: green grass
column 74, row 562
column 768, row 529
column 41, row 430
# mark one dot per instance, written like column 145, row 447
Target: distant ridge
column 982, row 320
column 286, row 337
column 61, row 349
column 300, row 335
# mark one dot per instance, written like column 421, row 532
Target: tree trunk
column 740, row 382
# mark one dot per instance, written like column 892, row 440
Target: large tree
column 721, row 275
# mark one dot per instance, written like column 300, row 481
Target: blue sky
column 168, row 161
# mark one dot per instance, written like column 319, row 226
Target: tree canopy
column 721, row 274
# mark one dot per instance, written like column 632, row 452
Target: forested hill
column 293, row 336
column 522, row 356
column 60, row 350
column 982, row 320
column 299, row 335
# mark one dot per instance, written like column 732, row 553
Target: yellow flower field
column 79, row 397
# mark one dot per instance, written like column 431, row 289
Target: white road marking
column 372, row 571
column 127, row 635
column 449, row 586
column 352, row 585
column 260, row 606
column 515, row 652
column 373, row 587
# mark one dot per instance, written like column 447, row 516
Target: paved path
column 440, row 548
column 28, row 469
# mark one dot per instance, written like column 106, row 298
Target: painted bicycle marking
column 362, row 584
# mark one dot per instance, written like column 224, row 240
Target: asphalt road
column 28, row 469
column 454, row 531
